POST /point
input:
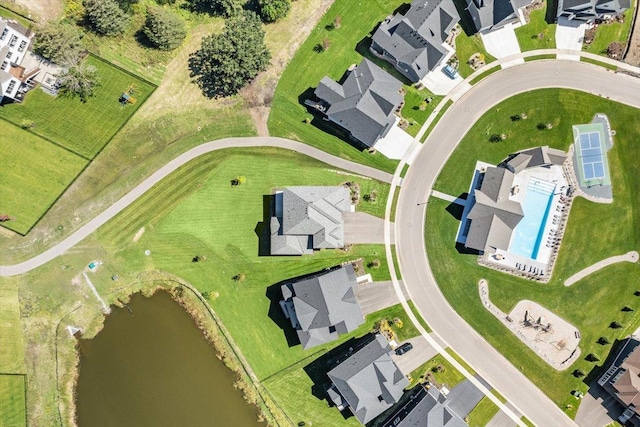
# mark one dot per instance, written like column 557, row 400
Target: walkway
column 631, row 256
column 448, row 198
column 144, row 186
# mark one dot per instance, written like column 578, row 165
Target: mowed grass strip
column 34, row 173
column 308, row 67
column 83, row 128
column 195, row 211
column 483, row 412
column 13, row 411
column 11, row 333
column 594, row 232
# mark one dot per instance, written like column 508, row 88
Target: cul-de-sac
column 296, row 213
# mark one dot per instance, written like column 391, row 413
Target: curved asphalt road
column 411, row 209
column 117, row 207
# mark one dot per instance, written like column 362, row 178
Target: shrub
column 105, row 17
column 273, row 10
column 59, row 43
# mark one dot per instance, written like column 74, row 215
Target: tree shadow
column 274, row 294
column 143, row 40
column 551, row 16
column 263, row 229
column 318, row 369
column 597, row 370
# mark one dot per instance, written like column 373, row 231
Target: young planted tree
column 273, row 10
column 228, row 61
column 164, row 29
column 78, row 81
column 105, row 17
column 60, row 43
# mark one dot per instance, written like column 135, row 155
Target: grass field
column 537, row 34
column 33, row 175
column 12, row 401
column 608, row 33
column 83, row 128
column 466, row 47
column 591, row 304
column 308, row 67
column 482, row 413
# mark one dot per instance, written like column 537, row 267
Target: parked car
column 404, row 348
column 451, row 72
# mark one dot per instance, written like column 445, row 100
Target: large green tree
column 105, row 17
column 227, row 61
column 273, row 10
column 59, row 43
column 78, row 81
column 164, row 29
column 224, row 7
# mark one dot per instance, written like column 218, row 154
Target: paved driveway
column 418, row 356
column 465, row 396
column 375, row 296
column 361, row 227
column 396, row 143
column 501, row 420
column 569, row 36
column 502, row 43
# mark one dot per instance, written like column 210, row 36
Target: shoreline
column 204, row 318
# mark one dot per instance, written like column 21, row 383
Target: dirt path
column 633, row 55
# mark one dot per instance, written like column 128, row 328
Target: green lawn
column 537, row 34
column 466, row 46
column 411, row 109
column 195, row 211
column 608, row 33
column 6, row 13
column 33, row 175
column 447, row 375
column 591, row 304
column 482, row 413
column 83, row 128
column 308, row 67
column 12, row 401
column 11, row 333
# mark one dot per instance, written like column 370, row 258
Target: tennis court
column 591, row 152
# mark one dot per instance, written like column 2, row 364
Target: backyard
column 82, row 128
column 309, row 66
column 34, row 173
column 589, row 304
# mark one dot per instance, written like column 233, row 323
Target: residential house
column 488, row 15
column 590, row 10
column 424, row 408
column 494, row 215
column 622, row 379
column 364, row 105
column 414, row 43
column 308, row 219
column 368, row 382
column 322, row 306
column 15, row 80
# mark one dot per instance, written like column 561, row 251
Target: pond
column 151, row 366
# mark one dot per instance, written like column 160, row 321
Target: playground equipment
column 127, row 96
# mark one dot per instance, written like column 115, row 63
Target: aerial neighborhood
column 393, row 213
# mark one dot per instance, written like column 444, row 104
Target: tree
column 603, row 341
column 59, row 43
column 226, row 8
column 78, row 81
column 615, row 325
column 273, row 10
column 105, row 17
column 226, row 62
column 164, row 29
column 578, row 373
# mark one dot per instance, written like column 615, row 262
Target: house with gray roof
column 494, row 215
column 322, row 306
column 414, row 43
column 424, row 408
column 368, row 382
column 15, row 79
column 308, row 219
column 488, row 15
column 590, row 10
column 364, row 105
column 622, row 379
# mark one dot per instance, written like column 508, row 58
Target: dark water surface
column 152, row 367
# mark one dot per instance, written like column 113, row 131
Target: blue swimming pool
column 529, row 233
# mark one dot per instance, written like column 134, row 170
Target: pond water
column 151, row 366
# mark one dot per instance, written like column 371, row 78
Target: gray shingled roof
column 413, row 42
column 425, row 409
column 324, row 305
column 588, row 10
column 493, row 216
column 364, row 104
column 490, row 14
column 311, row 219
column 369, row 380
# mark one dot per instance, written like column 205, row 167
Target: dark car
column 404, row 348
